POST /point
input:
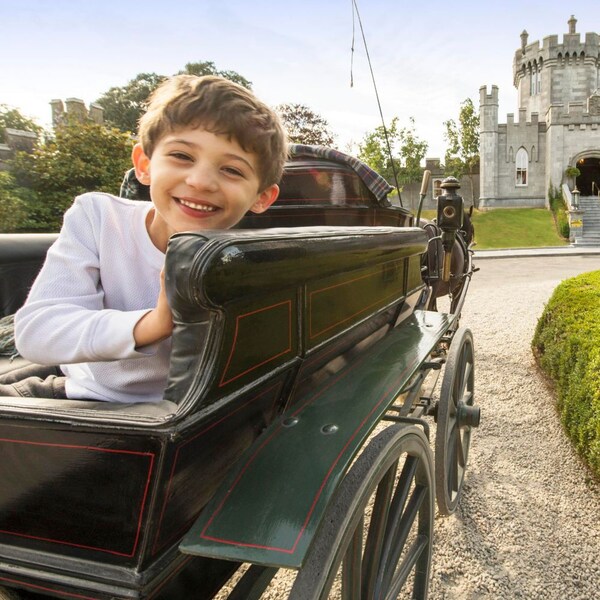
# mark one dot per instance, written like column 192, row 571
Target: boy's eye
column 179, row 156
column 233, row 171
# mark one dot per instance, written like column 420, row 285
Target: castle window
column 538, row 80
column 522, row 163
column 532, row 81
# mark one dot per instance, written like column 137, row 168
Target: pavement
column 549, row 251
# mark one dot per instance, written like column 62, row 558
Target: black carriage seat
column 264, row 309
column 324, row 187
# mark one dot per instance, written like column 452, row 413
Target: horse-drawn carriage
column 293, row 433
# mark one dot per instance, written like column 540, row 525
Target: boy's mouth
column 196, row 205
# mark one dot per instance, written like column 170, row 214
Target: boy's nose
column 202, row 178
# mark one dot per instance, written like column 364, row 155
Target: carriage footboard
column 269, row 508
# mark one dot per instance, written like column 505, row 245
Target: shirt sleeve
column 64, row 319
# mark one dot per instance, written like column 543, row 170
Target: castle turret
column 556, row 73
column 488, row 150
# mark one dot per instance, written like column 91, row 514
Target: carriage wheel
column 376, row 550
column 456, row 416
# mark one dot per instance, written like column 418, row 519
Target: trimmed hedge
column 567, row 346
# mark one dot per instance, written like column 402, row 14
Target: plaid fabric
column 132, row 189
column 375, row 182
column 7, row 337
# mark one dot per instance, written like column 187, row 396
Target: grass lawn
column 513, row 228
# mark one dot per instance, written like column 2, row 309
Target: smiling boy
column 210, row 152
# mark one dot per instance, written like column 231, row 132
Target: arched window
column 521, row 163
column 533, row 154
column 532, row 80
column 538, row 79
column 511, row 154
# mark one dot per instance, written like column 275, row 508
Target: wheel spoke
column 453, row 442
column 465, row 380
column 376, row 535
column 461, row 449
column 351, row 567
column 390, row 558
column 396, row 514
column 412, row 556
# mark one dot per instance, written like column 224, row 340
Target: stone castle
column 558, row 123
column 19, row 140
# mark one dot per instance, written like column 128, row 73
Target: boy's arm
column 64, row 319
column 157, row 324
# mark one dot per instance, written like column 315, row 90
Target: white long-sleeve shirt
column 100, row 277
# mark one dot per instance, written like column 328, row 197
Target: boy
column 210, row 151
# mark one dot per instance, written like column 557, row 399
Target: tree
column 407, row 152
column 81, row 157
column 13, row 203
column 462, row 155
column 305, row 126
column 123, row 106
column 11, row 118
column 208, row 68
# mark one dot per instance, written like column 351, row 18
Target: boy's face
column 199, row 180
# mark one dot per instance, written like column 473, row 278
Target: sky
column 427, row 57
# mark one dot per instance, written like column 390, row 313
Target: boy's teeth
column 195, row 206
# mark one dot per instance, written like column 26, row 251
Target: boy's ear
column 141, row 163
column 265, row 199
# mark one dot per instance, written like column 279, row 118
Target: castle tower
column 558, row 122
column 488, row 144
column 556, row 73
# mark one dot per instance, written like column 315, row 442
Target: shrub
column 559, row 210
column 567, row 346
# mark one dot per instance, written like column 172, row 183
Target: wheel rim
column 385, row 548
column 455, row 418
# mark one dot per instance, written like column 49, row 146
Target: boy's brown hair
column 223, row 108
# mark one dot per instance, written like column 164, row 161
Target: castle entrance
column 588, row 183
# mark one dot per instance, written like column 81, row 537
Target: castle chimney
column 572, row 22
column 524, row 37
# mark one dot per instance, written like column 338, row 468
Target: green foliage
column 462, row 155
column 81, row 157
column 407, row 152
column 208, row 68
column 123, row 106
column 572, row 172
column 13, row 203
column 305, row 126
column 567, row 344
column 559, row 211
column 11, row 118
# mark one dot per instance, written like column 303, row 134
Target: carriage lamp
column 449, row 219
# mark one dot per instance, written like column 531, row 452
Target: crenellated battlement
column 571, row 51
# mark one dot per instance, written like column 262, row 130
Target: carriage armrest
column 268, row 509
column 251, row 305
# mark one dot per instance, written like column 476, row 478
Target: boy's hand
column 157, row 324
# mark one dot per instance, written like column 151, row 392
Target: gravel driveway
column 528, row 525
